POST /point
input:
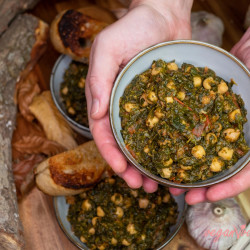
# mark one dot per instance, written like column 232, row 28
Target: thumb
column 102, row 72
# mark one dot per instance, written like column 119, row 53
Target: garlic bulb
column 207, row 27
column 216, row 225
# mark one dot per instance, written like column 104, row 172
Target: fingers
column 149, row 186
column 196, row 195
column 242, row 49
column 132, row 177
column 177, row 191
column 231, row 187
column 107, row 146
column 101, row 75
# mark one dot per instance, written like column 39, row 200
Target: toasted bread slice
column 72, row 32
column 53, row 123
column 71, row 172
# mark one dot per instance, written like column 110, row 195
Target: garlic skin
column 207, row 27
column 215, row 225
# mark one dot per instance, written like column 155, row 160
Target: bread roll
column 71, row 172
column 72, row 32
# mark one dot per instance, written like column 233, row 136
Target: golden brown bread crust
column 71, row 172
column 53, row 123
column 72, row 33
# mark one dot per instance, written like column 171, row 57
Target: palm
column 116, row 45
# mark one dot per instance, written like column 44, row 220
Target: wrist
column 179, row 7
column 176, row 15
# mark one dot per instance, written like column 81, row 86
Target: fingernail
column 95, row 107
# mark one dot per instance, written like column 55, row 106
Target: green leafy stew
column 113, row 216
column 73, row 92
column 183, row 123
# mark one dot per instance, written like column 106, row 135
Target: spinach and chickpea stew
column 183, row 123
column 73, row 92
column 113, row 216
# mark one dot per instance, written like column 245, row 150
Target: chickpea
column 100, row 212
column 82, row 239
column 158, row 113
column 119, row 212
column 197, row 81
column 91, row 230
column 151, row 121
column 218, row 127
column 222, row 87
column 143, row 78
column 207, row 82
column 198, row 151
column 231, row 134
column 114, row 241
column 94, row 220
column 166, row 173
column 111, row 181
column 226, row 106
column 182, row 174
column 129, row 107
column 205, row 100
column 172, row 66
column 102, row 247
column 156, row 71
column 169, row 99
column 146, row 149
column 145, row 101
column 117, row 199
column 125, row 242
column 171, row 85
column 211, row 138
column 65, row 90
column 152, row 96
column 166, row 198
column 212, row 94
column 143, row 202
column 86, row 205
column 71, row 111
column 131, row 229
column 186, row 167
column 168, row 162
column 134, row 193
column 226, row 153
column 81, row 83
column 181, row 95
column 216, row 165
column 233, row 114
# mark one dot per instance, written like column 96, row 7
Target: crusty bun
column 72, row 32
column 71, row 172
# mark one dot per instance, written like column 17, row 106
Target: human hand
column 239, row 182
column 148, row 22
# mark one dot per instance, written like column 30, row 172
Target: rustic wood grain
column 17, row 47
column 41, row 230
column 10, row 8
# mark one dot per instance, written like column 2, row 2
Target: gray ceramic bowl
column 199, row 54
column 56, row 79
column 61, row 210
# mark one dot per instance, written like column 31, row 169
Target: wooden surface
column 42, row 231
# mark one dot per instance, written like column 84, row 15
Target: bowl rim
column 52, row 90
column 131, row 160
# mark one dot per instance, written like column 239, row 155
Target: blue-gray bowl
column 196, row 53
